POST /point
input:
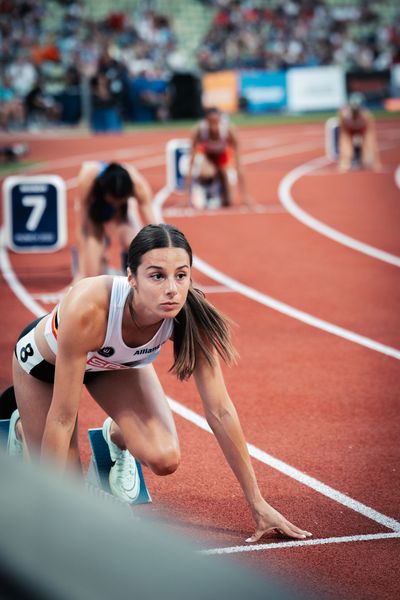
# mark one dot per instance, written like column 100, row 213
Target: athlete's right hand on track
column 269, row 520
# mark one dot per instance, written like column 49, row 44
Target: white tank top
column 214, row 146
column 115, row 354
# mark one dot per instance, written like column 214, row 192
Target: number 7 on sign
column 38, row 205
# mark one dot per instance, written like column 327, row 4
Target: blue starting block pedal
column 332, row 133
column 4, row 427
column 100, row 465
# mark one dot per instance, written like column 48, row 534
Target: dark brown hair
column 198, row 327
column 114, row 180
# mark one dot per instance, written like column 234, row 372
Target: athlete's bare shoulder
column 85, row 306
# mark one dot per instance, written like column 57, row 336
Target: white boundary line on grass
column 286, row 198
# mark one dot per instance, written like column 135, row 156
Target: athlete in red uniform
column 357, row 136
column 215, row 140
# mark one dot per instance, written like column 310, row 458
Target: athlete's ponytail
column 199, row 328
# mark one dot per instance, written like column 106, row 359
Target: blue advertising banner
column 261, row 91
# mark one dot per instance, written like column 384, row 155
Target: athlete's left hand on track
column 269, row 520
column 248, row 201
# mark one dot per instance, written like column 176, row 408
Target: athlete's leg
column 143, row 421
column 226, row 195
column 33, row 400
column 370, row 151
column 91, row 251
column 345, row 151
column 125, row 233
column 91, row 256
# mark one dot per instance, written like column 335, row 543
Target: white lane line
column 50, row 297
column 285, row 196
column 397, row 176
column 54, row 297
column 290, row 311
column 215, row 289
column 13, row 281
column 63, row 163
column 213, row 273
column 189, row 212
column 288, row 150
column 371, row 537
column 294, row 473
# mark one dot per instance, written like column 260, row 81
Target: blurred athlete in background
column 357, row 139
column 215, row 151
column 113, row 203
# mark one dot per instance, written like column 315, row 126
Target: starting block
column 4, row 427
column 332, row 133
column 7, row 407
column 100, row 465
column 178, row 153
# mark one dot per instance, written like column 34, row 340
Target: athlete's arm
column 86, row 178
column 143, row 195
column 195, row 143
column 222, row 417
column 234, row 144
column 82, row 327
column 372, row 147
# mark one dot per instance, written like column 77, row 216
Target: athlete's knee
column 165, row 461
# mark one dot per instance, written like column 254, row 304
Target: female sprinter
column 105, row 209
column 105, row 333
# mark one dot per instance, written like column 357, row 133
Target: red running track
column 324, row 406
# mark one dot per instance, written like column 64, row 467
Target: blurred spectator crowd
column 48, row 48
column 251, row 34
column 52, row 51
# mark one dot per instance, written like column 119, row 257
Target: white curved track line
column 290, row 311
column 286, row 198
column 15, row 285
column 277, row 305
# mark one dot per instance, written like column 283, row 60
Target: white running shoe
column 124, row 476
column 14, row 445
